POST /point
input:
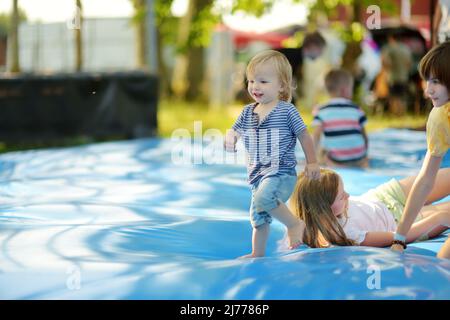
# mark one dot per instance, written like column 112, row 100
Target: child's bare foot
column 295, row 235
column 250, row 255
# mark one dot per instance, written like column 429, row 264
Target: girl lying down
column 332, row 217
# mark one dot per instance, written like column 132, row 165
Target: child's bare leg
column 444, row 253
column 295, row 227
column 259, row 241
column 440, row 189
column 433, row 224
column 433, row 208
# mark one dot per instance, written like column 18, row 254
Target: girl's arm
column 378, row 239
column 419, row 192
column 312, row 168
column 425, row 226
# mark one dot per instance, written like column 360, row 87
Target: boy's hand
column 312, row 171
column 229, row 143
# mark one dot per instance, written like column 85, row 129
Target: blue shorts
column 267, row 194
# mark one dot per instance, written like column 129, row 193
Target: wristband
column 399, row 237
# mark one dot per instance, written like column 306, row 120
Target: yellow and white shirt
column 438, row 130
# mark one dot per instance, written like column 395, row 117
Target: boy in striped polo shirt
column 269, row 129
column 341, row 122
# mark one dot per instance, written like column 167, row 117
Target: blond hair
column 311, row 201
column 282, row 66
column 337, row 79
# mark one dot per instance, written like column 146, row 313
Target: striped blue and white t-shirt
column 270, row 145
column 342, row 124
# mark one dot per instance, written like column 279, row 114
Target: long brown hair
column 311, row 201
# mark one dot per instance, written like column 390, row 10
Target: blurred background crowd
column 196, row 50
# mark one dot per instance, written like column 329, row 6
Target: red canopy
column 241, row 38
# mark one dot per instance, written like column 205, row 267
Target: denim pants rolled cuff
column 262, row 218
column 268, row 206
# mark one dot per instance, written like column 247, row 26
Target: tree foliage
column 252, row 7
column 203, row 21
column 193, row 31
column 5, row 21
column 328, row 7
column 352, row 30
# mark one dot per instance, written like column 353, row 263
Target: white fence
column 108, row 45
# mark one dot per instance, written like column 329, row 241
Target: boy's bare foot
column 250, row 255
column 295, row 235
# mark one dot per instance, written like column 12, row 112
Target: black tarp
column 402, row 33
column 95, row 105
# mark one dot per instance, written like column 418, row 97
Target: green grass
column 175, row 115
column 409, row 121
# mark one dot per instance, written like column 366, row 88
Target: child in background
column 434, row 68
column 334, row 218
column 269, row 128
column 341, row 123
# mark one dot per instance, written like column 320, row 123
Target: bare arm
column 312, row 168
column 316, row 136
column 419, row 192
column 308, row 146
column 378, row 239
column 424, row 226
column 231, row 138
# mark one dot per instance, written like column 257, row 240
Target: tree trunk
column 356, row 11
column 140, row 23
column 189, row 64
column 78, row 37
column 195, row 74
column 163, row 75
column 14, row 37
column 179, row 77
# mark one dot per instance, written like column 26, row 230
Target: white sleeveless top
column 366, row 215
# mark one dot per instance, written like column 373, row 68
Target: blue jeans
column 267, row 194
